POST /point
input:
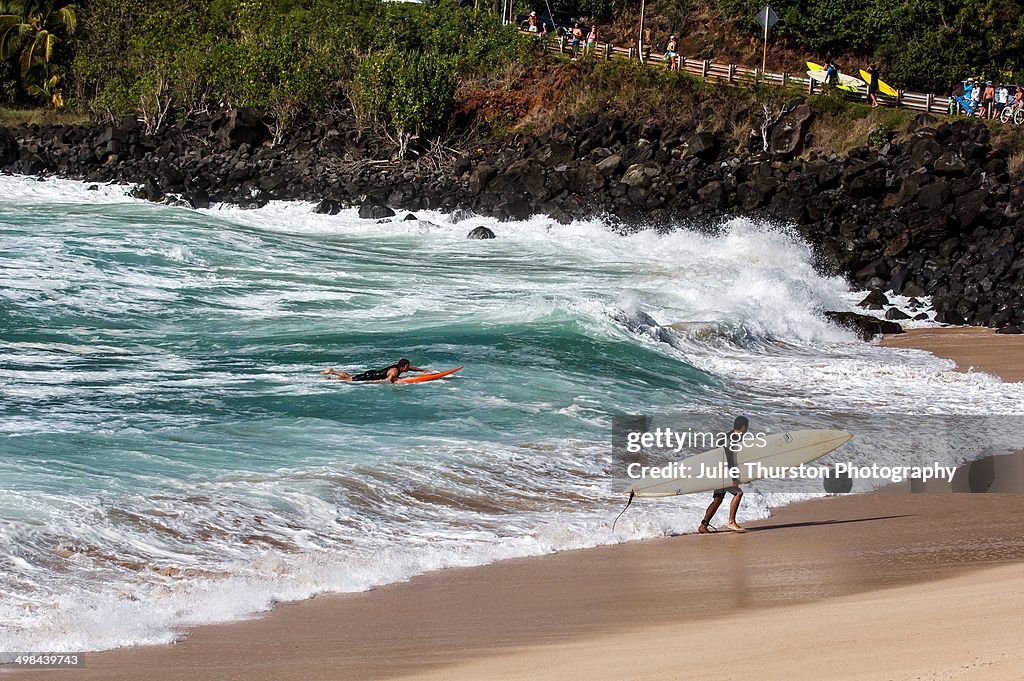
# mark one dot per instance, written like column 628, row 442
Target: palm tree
column 29, row 29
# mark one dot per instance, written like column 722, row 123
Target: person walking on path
column 873, row 85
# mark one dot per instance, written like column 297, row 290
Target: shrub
column 411, row 93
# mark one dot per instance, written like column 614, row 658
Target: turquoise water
column 169, row 453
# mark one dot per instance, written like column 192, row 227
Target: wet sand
column 877, row 586
column 972, row 348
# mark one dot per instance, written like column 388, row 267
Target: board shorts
column 372, row 375
column 734, row 490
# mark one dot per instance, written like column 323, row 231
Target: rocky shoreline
column 932, row 213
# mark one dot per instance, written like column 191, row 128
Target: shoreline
column 867, row 556
column 971, row 348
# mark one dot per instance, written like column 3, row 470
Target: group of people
column 988, row 100
column 535, row 25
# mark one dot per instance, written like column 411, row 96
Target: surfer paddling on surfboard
column 739, row 428
column 390, row 373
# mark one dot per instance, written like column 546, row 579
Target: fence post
column 732, row 72
column 785, row 79
column 632, row 53
column 705, row 68
column 928, row 103
column 607, row 51
column 810, row 86
column 899, row 98
column 561, row 44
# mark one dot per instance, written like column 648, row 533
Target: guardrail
column 736, row 74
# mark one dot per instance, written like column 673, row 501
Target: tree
column 411, row 93
column 29, row 29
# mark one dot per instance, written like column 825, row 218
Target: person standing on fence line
column 988, row 98
column 577, row 36
column 532, row 28
column 1002, row 99
column 975, row 98
column 873, row 85
column 670, row 53
column 591, row 40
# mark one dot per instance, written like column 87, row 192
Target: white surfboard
column 783, row 450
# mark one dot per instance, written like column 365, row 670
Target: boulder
column 894, row 313
column 640, row 174
column 481, row 178
column 8, row 148
column 372, row 211
column 243, row 126
column 923, row 120
column 712, row 194
column 523, row 175
column 786, row 137
column 514, row 208
column 924, row 151
column 327, row 207
column 586, row 179
column 949, row 164
column 480, row 233
column 934, row 196
column 755, row 193
column 866, row 327
column 555, row 154
column 874, row 300
column 149, row 191
column 972, row 207
column 703, row 145
column 913, row 290
column 609, row 165
column 197, row 198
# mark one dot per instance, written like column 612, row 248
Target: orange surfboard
column 423, row 378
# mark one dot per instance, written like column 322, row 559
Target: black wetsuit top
column 734, row 444
column 375, row 374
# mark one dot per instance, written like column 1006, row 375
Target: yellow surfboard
column 848, row 83
column 883, row 87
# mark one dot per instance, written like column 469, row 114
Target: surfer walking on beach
column 389, row 373
column 739, row 428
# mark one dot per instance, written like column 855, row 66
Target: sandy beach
column 878, row 586
column 972, row 348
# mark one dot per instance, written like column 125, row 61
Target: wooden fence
column 735, row 74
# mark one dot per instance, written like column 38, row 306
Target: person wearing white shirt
column 1002, row 99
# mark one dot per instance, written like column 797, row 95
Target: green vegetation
column 147, row 56
column 398, row 66
column 30, row 31
column 926, row 45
